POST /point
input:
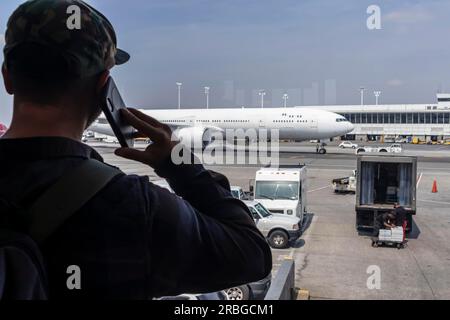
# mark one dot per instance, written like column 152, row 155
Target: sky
column 316, row 51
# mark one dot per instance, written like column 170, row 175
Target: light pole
column 362, row 95
column 179, row 84
column 285, row 98
column 377, row 95
column 207, row 97
column 262, row 93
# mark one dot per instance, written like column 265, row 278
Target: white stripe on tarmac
column 438, row 202
column 320, row 188
column 418, row 180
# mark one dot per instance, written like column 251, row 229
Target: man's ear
column 102, row 81
column 7, row 80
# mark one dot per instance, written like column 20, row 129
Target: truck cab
column 282, row 190
column 238, row 193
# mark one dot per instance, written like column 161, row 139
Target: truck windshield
column 277, row 190
column 262, row 210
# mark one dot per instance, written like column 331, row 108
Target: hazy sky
column 319, row 51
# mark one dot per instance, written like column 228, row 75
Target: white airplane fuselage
column 291, row 123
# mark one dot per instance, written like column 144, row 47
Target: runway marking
column 418, row 180
column 330, row 185
column 438, row 202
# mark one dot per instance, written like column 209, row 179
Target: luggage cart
column 391, row 237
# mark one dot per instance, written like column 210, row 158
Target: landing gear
column 320, row 149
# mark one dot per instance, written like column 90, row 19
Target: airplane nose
column 350, row 126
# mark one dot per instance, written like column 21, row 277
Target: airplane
column 198, row 125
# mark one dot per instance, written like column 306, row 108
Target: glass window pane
column 434, row 117
column 403, row 118
column 409, row 118
column 421, row 118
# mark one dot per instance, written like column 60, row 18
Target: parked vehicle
column 219, row 295
column 382, row 181
column 346, row 184
column 279, row 229
column 252, row 291
column 393, row 148
column 282, row 190
column 348, row 144
column 238, row 193
column 402, row 140
column 416, row 140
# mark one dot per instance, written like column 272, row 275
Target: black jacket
column 135, row 240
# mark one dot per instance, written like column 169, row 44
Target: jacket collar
column 41, row 148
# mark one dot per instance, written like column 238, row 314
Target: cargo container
column 382, row 181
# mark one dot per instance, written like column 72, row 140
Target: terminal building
column 426, row 122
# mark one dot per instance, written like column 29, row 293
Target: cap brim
column 122, row 57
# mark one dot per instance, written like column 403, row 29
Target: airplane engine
column 194, row 137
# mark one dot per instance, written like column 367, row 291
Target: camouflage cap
column 89, row 47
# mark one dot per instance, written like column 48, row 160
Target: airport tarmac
column 331, row 258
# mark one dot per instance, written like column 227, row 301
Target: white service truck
column 282, row 190
column 393, row 148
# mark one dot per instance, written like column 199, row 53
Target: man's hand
column 159, row 133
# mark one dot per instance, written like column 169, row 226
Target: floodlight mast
column 262, row 93
column 179, row 84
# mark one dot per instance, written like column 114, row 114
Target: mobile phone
column 112, row 103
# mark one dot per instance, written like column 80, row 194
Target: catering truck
column 382, row 181
column 282, row 190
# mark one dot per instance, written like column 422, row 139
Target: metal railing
column 283, row 285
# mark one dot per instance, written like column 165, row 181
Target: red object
column 3, row 129
column 405, row 224
column 434, row 189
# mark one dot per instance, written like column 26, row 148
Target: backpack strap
column 67, row 196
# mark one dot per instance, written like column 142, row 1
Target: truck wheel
column 322, row 151
column 238, row 293
column 383, row 150
column 278, row 239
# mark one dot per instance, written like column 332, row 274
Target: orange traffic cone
column 434, row 189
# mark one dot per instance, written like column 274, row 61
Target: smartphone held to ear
column 112, row 103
